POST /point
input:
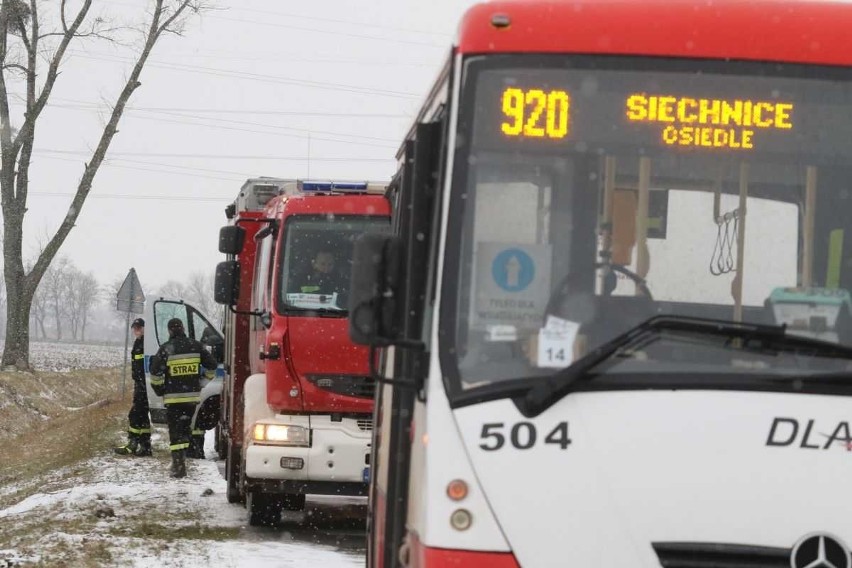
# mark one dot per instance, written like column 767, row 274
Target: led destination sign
column 542, row 109
column 712, row 123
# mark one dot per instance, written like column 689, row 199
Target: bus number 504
column 522, row 436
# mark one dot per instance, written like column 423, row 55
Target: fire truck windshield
column 316, row 261
column 590, row 194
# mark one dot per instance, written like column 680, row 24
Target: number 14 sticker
column 556, row 343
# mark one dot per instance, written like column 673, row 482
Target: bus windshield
column 317, row 260
column 590, row 194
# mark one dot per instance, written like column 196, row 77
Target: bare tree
column 39, row 311
column 82, row 295
column 109, row 293
column 200, row 292
column 173, row 290
column 27, row 45
column 55, row 286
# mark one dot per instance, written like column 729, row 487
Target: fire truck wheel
column 221, row 444
column 232, row 473
column 264, row 510
column 294, row 502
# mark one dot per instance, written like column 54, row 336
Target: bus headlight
column 280, row 434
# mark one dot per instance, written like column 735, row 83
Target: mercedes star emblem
column 820, row 550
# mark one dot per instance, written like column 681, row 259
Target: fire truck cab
column 302, row 423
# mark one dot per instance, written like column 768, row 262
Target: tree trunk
column 16, row 351
column 58, row 317
column 19, row 296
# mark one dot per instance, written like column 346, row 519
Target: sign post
column 130, row 300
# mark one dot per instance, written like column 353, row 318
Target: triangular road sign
column 130, row 297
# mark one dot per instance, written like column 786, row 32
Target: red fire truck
column 614, row 312
column 298, row 397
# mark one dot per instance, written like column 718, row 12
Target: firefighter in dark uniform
column 139, row 424
column 176, row 376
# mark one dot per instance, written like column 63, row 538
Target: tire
column 232, row 473
column 220, row 444
column 264, row 510
column 293, row 501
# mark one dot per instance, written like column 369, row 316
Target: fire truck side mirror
column 231, row 239
column 374, row 291
column 226, row 288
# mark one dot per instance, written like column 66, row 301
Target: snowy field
column 124, row 505
column 63, row 357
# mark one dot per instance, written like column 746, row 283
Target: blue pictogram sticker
column 513, row 270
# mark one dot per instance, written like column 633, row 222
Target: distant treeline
column 72, row 305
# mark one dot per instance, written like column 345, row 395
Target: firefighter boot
column 178, row 469
column 196, row 447
column 144, row 447
column 128, row 449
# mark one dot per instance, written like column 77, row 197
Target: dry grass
column 26, row 399
column 54, row 421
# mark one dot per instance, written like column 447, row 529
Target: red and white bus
column 614, row 315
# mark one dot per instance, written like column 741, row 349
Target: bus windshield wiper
column 769, row 338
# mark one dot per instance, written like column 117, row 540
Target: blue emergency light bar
column 333, row 186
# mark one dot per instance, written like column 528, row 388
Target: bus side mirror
column 231, row 239
column 374, row 292
column 226, row 288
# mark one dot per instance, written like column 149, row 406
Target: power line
column 277, row 127
column 170, row 168
column 319, row 19
column 319, row 30
column 356, row 139
column 107, row 164
column 270, row 112
column 274, row 79
column 252, row 131
column 336, row 21
column 291, row 58
column 431, row 44
column 134, row 197
column 274, row 112
column 214, row 156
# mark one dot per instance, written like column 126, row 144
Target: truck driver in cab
column 321, row 279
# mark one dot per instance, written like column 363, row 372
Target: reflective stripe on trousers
column 178, row 397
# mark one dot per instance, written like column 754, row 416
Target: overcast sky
column 251, row 90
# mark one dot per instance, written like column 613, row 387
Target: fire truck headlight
column 280, row 434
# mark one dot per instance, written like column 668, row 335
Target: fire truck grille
column 365, row 424
column 347, row 385
column 714, row 555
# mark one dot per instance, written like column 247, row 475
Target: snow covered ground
column 63, row 357
column 127, row 512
